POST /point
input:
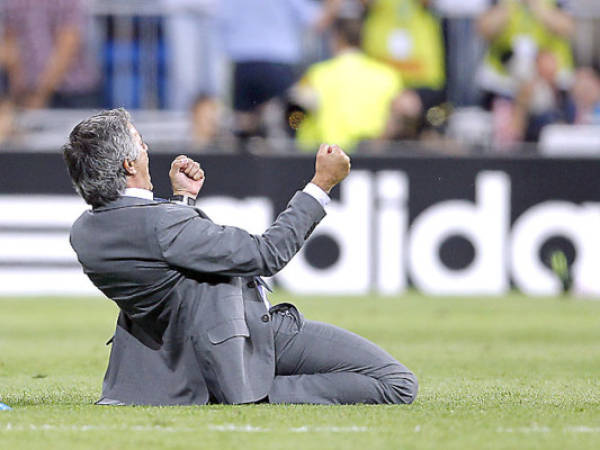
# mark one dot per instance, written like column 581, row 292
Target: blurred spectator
column 192, row 38
column 208, row 125
column 585, row 95
column 348, row 98
column 6, row 120
column 46, row 57
column 408, row 36
column 263, row 40
column 517, row 30
column 540, row 100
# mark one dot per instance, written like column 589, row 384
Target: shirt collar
column 138, row 193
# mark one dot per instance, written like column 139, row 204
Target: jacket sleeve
column 190, row 242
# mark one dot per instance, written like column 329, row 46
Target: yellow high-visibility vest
column 523, row 24
column 404, row 34
column 354, row 97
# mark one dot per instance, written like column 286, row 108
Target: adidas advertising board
column 443, row 226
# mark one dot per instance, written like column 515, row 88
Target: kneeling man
column 195, row 325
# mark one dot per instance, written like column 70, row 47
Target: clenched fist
column 331, row 166
column 187, row 178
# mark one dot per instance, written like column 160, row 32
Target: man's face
column 141, row 164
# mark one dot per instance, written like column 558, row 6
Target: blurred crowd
column 360, row 73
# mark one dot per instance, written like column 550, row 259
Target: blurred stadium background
column 474, row 128
column 474, row 131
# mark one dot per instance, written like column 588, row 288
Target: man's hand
column 332, row 166
column 187, row 178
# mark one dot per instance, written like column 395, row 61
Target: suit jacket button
column 251, row 284
column 265, row 318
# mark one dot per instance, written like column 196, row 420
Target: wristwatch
column 183, row 200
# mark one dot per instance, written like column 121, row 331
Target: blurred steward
column 194, row 53
column 45, row 54
column 349, row 98
column 517, row 30
column 263, row 39
column 407, row 35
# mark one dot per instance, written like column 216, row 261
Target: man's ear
column 129, row 167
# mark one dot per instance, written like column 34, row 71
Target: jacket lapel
column 264, row 284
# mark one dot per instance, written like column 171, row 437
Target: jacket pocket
column 227, row 330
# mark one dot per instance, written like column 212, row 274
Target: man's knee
column 412, row 387
column 402, row 387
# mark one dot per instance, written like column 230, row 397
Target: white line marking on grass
column 239, row 428
column 302, row 429
column 305, row 429
column 582, row 429
column 48, row 427
column 533, row 429
column 544, row 429
column 227, row 427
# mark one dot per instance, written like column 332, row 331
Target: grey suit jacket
column 192, row 326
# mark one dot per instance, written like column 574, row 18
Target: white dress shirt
column 319, row 194
column 139, row 193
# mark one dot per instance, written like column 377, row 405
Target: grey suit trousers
column 323, row 364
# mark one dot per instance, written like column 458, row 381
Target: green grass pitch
column 511, row 372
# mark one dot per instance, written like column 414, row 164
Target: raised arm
column 556, row 20
column 67, row 44
column 492, row 22
column 11, row 61
column 190, row 242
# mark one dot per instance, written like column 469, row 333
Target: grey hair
column 95, row 153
